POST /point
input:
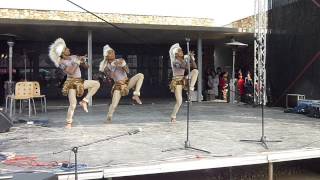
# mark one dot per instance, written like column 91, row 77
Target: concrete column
column 232, row 80
column 270, row 170
column 90, row 60
column 199, row 58
column 230, row 173
column 10, row 43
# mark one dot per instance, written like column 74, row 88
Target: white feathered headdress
column 106, row 48
column 56, row 50
column 103, row 63
column 173, row 51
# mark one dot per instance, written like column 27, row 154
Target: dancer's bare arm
column 83, row 62
column 122, row 64
column 126, row 69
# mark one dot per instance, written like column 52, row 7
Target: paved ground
column 216, row 127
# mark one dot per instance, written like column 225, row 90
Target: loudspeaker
column 293, row 99
column 5, row 122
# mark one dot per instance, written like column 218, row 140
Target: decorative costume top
column 116, row 72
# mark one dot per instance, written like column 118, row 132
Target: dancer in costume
column 117, row 70
column 74, row 86
column 179, row 64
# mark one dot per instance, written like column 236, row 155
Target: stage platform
column 215, row 127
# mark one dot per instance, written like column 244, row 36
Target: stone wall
column 112, row 18
column 245, row 24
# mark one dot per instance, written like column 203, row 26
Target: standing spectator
column 248, row 88
column 218, row 71
column 224, row 86
column 210, row 83
column 240, row 87
column 219, row 74
column 207, row 85
column 216, row 85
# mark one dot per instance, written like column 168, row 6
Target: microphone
column 134, row 131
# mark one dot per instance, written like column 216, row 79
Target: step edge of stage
column 202, row 163
column 196, row 164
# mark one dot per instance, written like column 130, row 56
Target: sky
column 222, row 11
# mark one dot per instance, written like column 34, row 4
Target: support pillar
column 90, row 60
column 199, row 58
column 270, row 170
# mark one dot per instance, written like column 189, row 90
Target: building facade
column 143, row 41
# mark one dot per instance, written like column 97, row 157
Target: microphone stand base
column 263, row 141
column 187, row 146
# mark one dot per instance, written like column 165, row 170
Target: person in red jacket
column 224, row 85
column 241, row 89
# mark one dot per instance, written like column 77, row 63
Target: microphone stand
column 76, row 148
column 187, row 145
column 263, row 140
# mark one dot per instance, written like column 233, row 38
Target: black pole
column 75, row 148
column 100, row 140
column 263, row 140
column 75, row 151
column 187, row 143
column 188, row 112
column 262, row 115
